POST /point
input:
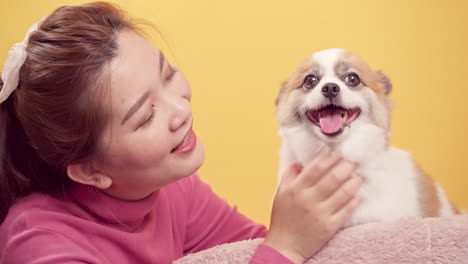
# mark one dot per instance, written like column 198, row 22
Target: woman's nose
column 180, row 112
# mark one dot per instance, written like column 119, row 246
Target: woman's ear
column 86, row 173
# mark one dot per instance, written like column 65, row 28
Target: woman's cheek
column 151, row 155
column 152, row 151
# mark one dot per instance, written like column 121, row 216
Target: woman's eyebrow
column 136, row 106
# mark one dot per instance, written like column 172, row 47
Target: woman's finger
column 343, row 214
column 344, row 194
column 314, row 171
column 334, row 179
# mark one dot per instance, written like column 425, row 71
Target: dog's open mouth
column 332, row 118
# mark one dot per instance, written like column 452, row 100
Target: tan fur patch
column 295, row 81
column 368, row 76
column 428, row 198
column 281, row 92
column 385, row 82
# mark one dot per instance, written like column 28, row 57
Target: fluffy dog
column 335, row 102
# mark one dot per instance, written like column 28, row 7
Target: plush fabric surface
column 410, row 240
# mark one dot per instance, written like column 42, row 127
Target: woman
column 99, row 158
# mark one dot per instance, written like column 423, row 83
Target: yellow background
column 236, row 53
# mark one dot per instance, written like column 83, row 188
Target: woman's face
column 149, row 141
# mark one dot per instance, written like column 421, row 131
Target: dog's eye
column 352, row 80
column 310, row 81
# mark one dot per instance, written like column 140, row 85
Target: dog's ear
column 384, row 82
column 282, row 91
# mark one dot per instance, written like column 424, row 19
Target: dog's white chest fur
column 390, row 190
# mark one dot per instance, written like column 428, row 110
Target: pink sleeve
column 41, row 246
column 265, row 254
column 212, row 222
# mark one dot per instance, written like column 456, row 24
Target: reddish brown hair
column 56, row 115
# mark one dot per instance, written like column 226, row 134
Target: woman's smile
column 187, row 144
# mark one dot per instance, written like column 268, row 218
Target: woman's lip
column 191, row 140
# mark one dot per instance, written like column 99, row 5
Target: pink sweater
column 90, row 227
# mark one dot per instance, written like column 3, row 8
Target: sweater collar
column 113, row 210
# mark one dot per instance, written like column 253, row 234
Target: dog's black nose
column 330, row 90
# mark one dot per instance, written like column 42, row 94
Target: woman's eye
column 310, row 81
column 171, row 74
column 352, row 80
column 148, row 120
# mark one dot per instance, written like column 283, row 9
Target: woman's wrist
column 286, row 251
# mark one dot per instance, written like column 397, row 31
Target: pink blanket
column 411, row 240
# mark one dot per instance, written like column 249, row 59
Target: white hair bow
column 16, row 57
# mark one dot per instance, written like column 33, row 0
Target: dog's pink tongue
column 331, row 120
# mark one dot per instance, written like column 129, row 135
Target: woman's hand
column 311, row 204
